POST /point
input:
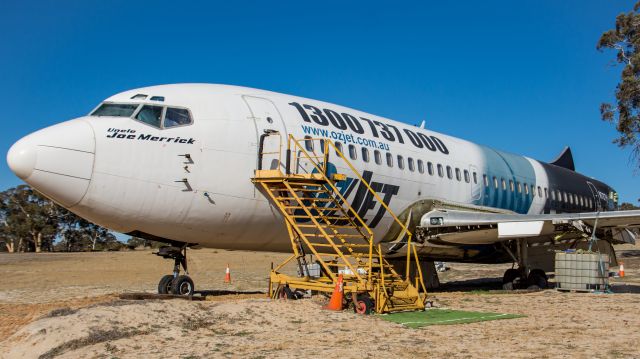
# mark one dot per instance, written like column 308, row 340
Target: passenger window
column 440, row 170
column 400, row 162
column 338, row 148
column 412, row 166
column 308, row 143
column 389, row 160
column 150, row 115
column 526, row 189
column 495, row 182
column 176, row 117
column 512, row 186
column 539, row 191
column 553, row 195
column 475, row 178
column 519, row 187
column 504, row 184
column 420, row 166
column 449, row 172
column 353, row 154
column 458, row 175
column 485, row 179
column 430, row 168
column 377, row 157
column 365, row 154
column 564, row 197
column 546, row 193
column 533, row 190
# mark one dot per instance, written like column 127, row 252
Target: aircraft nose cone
column 57, row 161
column 21, row 158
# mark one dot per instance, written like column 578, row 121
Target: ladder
column 322, row 225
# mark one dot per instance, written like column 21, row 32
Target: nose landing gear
column 176, row 283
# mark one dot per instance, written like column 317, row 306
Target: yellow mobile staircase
column 322, row 224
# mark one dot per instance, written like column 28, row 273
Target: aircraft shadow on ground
column 628, row 254
column 220, row 292
column 489, row 284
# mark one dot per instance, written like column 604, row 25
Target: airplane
column 173, row 163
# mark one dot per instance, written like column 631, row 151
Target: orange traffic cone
column 227, row 275
column 621, row 270
column 336, row 298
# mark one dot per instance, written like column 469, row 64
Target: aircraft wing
column 467, row 227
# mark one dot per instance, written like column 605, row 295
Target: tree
column 625, row 115
column 31, row 222
column 28, row 220
column 626, row 206
column 135, row 242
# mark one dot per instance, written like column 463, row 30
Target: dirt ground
column 65, row 306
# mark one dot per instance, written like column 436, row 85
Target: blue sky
column 520, row 76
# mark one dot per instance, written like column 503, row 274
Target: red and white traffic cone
column 227, row 275
column 621, row 270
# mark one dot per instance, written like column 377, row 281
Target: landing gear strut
column 523, row 277
column 176, row 283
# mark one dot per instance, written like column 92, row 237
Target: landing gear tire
column 511, row 279
column 364, row 305
column 164, row 286
column 183, row 285
column 537, row 280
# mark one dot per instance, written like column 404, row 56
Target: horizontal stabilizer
column 565, row 159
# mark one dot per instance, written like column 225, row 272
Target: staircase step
column 311, row 199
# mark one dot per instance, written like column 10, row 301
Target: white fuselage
column 193, row 183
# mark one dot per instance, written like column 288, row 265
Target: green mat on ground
column 444, row 317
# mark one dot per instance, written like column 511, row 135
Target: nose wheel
column 176, row 283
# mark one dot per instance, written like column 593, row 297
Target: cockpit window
column 150, row 115
column 115, row 109
column 176, row 117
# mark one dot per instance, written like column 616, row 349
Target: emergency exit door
column 271, row 133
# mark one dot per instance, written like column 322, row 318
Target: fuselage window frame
column 365, row 154
column 377, row 157
column 353, row 153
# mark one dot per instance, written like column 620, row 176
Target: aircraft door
column 476, row 184
column 271, row 133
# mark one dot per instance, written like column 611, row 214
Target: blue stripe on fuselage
column 509, row 167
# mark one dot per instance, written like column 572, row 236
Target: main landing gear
column 176, row 283
column 524, row 277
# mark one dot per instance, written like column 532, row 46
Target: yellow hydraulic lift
column 322, row 225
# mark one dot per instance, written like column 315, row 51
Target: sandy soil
column 65, row 305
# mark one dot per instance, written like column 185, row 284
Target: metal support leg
column 523, row 257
